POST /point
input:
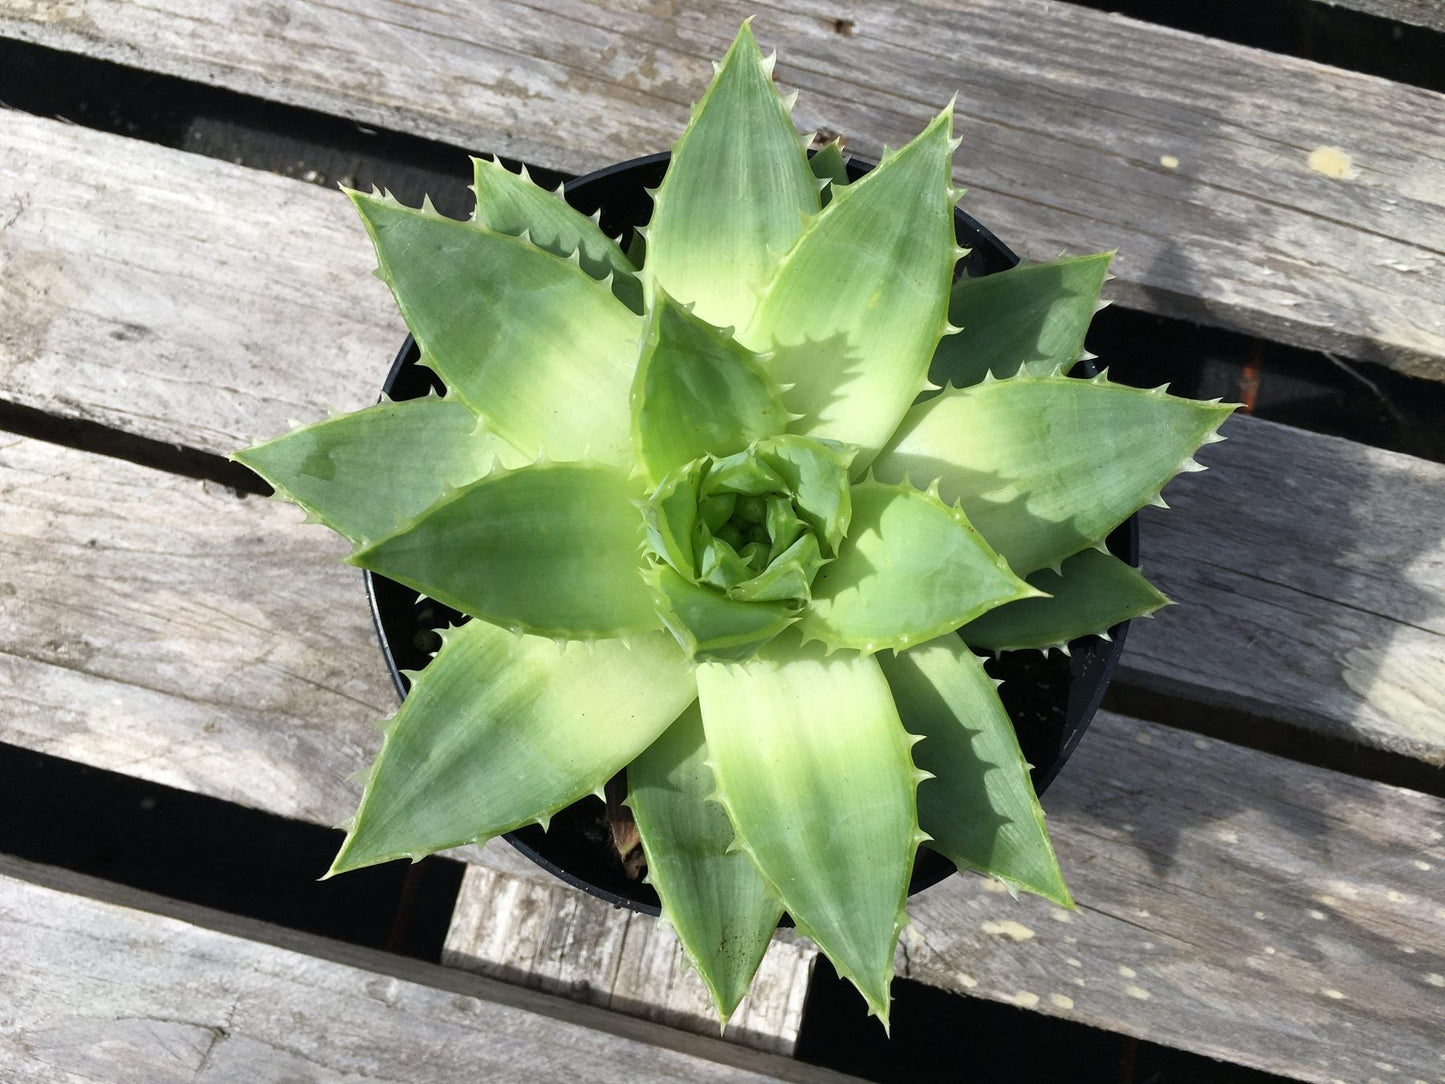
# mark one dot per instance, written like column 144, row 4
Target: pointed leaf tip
column 827, row 814
column 736, row 185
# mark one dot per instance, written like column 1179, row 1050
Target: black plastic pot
column 1050, row 699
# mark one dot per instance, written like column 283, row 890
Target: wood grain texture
column 550, row 937
column 171, row 630
column 1308, row 570
column 1230, row 903
column 1213, row 167
column 176, row 297
column 1427, row 13
column 1309, row 573
column 114, row 991
column 166, row 628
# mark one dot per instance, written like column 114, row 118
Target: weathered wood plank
column 1230, row 903
column 102, row 990
column 1310, row 576
column 1332, row 571
column 588, row 950
column 1427, row 13
column 169, row 629
column 179, row 298
column 1264, row 193
column 177, row 632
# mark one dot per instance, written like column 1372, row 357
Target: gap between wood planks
column 100, row 439
column 1401, row 40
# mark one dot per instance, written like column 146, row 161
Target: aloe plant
column 762, row 478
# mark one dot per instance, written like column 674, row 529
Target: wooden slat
column 107, row 989
column 176, row 297
column 1427, row 13
column 1310, row 576
column 1230, row 903
column 1209, row 167
column 179, row 633
column 1309, row 581
column 585, row 949
column 168, row 629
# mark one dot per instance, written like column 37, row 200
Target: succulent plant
column 763, row 479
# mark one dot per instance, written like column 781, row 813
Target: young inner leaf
column 697, row 392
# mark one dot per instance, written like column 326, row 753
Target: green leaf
column 499, row 731
column 858, row 304
column 697, row 392
column 1045, row 466
column 827, row 164
column 670, row 517
column 911, row 569
column 813, row 767
column 708, row 624
column 512, row 204
column 550, row 549
column 1032, row 316
column 735, row 194
column 979, row 807
column 1091, row 593
column 815, row 473
column 713, row 895
column 787, row 576
column 498, row 319
column 366, row 473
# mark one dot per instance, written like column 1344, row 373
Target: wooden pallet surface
column 549, row 936
column 1309, row 596
column 1234, row 904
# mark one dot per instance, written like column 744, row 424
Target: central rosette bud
column 740, row 538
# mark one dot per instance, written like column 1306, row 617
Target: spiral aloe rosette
column 732, row 473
